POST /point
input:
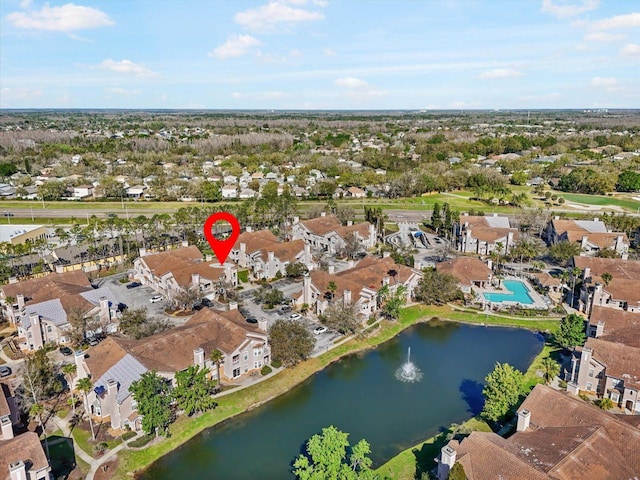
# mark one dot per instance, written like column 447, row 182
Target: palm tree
column 36, row 412
column 393, row 274
column 550, row 369
column 85, row 386
column 331, row 288
column 70, row 369
column 606, row 278
column 217, row 357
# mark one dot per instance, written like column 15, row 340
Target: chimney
column 323, row 214
column 583, row 242
column 7, row 428
column 208, row 257
column 248, row 229
column 596, row 219
column 112, row 387
column 271, row 256
column 233, row 306
column 185, row 243
column 79, row 360
column 490, row 264
column 331, row 269
column 346, row 296
column 20, row 300
column 143, row 252
column 306, row 290
column 36, row 331
column 386, row 254
column 198, row 357
column 104, row 310
column 262, row 324
column 446, row 461
column 195, row 280
column 296, row 219
column 586, row 274
column 13, row 280
column 351, row 264
column 417, row 265
column 599, row 328
column 524, row 417
column 557, row 217
column 385, row 280
column 495, row 214
column 17, row 470
column 59, row 268
column 349, row 223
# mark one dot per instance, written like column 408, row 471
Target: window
column 257, row 352
column 245, row 356
column 616, row 382
column 236, row 372
column 134, row 405
column 591, row 372
column 615, row 396
column 236, row 359
column 589, row 386
column 246, row 369
column 257, row 364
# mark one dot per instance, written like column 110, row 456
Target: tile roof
column 567, row 439
column 182, row 263
column 602, row 240
column 622, row 361
column 627, row 269
column 490, row 234
column 25, row 447
column 4, row 395
column 465, row 269
column 620, row 326
column 371, row 271
column 322, row 225
column 54, row 285
column 584, row 226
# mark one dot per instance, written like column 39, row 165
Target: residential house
column 83, row 191
column 483, row 235
column 229, row 191
column 592, row 235
column 246, row 193
column 23, row 458
column 136, row 191
column 355, row 192
column 115, row 363
column 328, row 234
column 266, row 256
column 469, row 271
column 558, row 436
column 620, row 291
column 41, row 307
column 608, row 369
column 175, row 271
column 358, row 284
column 614, row 326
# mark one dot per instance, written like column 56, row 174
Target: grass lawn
column 531, row 379
column 410, row 463
column 185, row 428
column 602, row 200
column 83, row 439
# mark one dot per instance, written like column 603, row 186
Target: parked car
column 156, row 298
column 66, row 351
column 295, row 316
column 285, row 308
column 4, row 371
column 252, row 320
column 319, row 330
column 206, row 302
column 134, row 285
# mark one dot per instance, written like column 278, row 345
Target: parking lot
column 138, row 298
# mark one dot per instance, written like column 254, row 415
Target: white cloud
column 630, row 50
column 25, row 3
column 126, row 67
column 350, row 82
column 10, row 95
column 121, row 91
column 562, row 9
column 602, row 37
column 266, row 17
column 66, row 18
column 497, row 73
column 604, row 82
column 235, row 46
column 629, row 20
column 327, row 52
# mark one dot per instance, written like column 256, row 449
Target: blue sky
column 320, row 54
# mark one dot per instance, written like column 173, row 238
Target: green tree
column 606, row 278
column 606, row 403
column 437, row 288
column 193, row 390
column 550, row 368
column 7, row 169
column 436, row 217
column 329, row 457
column 392, row 301
column 457, row 472
column 628, row 181
column 343, row 318
column 153, row 396
column 85, row 386
column 296, row 269
column 269, row 296
column 52, row 190
column 217, row 357
column 562, row 252
column 291, row 342
column 71, row 369
column 211, row 191
column 571, row 331
column 502, row 390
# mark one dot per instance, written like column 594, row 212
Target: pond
column 360, row 395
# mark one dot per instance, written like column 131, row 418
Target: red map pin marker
column 221, row 247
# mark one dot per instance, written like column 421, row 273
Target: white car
column 295, row 316
column 156, row 298
column 319, row 330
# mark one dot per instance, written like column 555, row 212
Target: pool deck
column 539, row 303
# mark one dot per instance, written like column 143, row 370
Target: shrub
column 266, row 370
column 276, row 364
column 142, row 441
column 127, row 435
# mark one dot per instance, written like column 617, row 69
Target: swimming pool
column 517, row 292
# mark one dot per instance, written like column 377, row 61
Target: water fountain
column 408, row 372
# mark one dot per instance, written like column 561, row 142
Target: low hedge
column 142, row 441
column 266, row 370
